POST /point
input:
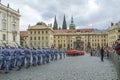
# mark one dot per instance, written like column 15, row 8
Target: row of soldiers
column 11, row 57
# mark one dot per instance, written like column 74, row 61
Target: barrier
column 115, row 58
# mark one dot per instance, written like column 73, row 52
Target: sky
column 86, row 13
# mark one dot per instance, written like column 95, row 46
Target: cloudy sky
column 86, row 13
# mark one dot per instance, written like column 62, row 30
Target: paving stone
column 71, row 68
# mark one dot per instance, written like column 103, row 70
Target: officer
column 27, row 53
column 34, row 56
column 7, row 59
column 18, row 54
column 39, row 53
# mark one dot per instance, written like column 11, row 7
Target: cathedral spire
column 64, row 26
column 55, row 26
column 72, row 25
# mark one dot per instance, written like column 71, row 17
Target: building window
column 13, row 19
column 118, row 30
column 34, row 38
column 42, row 32
column 64, row 45
column 39, row 38
column 42, row 38
column 38, row 32
column 4, row 25
column 4, row 15
column 31, row 32
column 4, row 37
column 46, row 32
column 30, row 38
column 14, row 27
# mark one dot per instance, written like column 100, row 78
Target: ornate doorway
column 78, row 44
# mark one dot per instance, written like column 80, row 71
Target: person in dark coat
column 117, row 47
column 102, row 54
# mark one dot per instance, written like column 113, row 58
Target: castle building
column 113, row 33
column 40, row 35
column 9, row 26
column 68, row 39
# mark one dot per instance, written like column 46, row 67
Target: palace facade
column 9, row 26
column 42, row 35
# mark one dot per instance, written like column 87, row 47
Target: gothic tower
column 55, row 26
column 64, row 26
column 72, row 25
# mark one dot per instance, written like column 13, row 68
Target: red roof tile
column 23, row 33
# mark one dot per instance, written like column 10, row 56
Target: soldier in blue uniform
column 1, row 59
column 47, row 52
column 34, row 56
column 27, row 53
column 56, row 54
column 52, row 54
column 60, row 54
column 64, row 53
column 23, row 57
column 7, row 58
column 43, row 56
column 39, row 54
column 18, row 54
column 12, row 65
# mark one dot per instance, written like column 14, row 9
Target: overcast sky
column 86, row 13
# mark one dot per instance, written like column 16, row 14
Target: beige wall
column 113, row 34
column 67, row 38
column 40, row 36
column 9, row 25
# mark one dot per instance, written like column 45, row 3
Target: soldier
column 47, row 51
column 23, row 57
column 39, row 53
column 18, row 54
column 64, row 53
column 7, row 59
column 1, row 59
column 12, row 65
column 56, row 54
column 52, row 54
column 27, row 53
column 43, row 56
column 34, row 55
column 60, row 54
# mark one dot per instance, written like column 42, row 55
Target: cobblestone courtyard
column 71, row 68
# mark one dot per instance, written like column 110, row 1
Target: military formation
column 11, row 57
